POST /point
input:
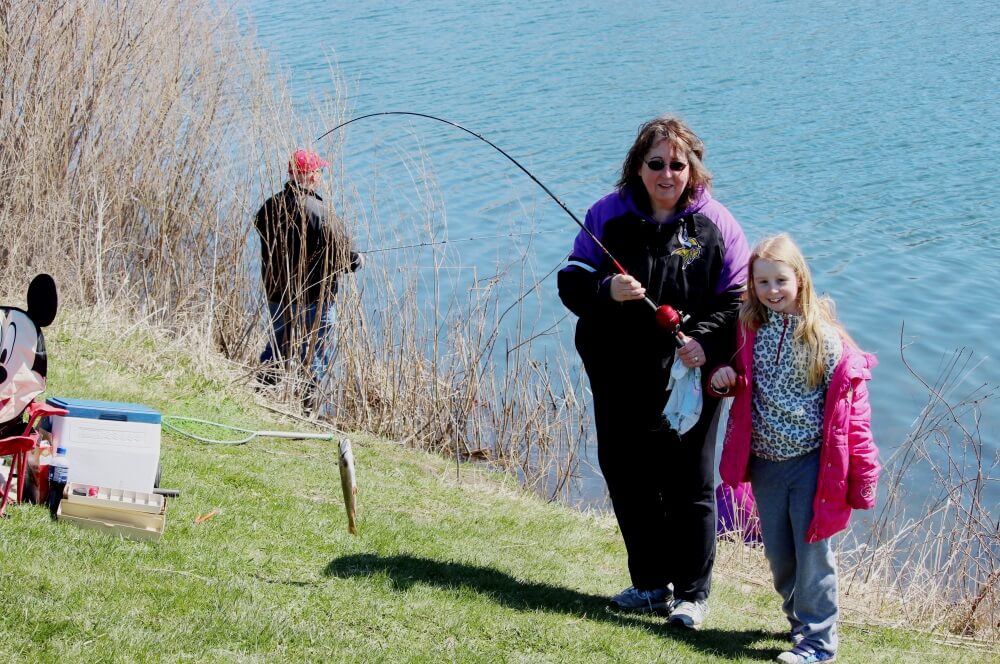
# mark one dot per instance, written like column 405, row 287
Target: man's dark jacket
column 301, row 251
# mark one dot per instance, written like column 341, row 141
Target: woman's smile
column 666, row 185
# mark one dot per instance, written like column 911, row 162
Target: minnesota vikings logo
column 689, row 251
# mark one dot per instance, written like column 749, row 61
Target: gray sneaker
column 805, row 654
column 634, row 599
column 689, row 615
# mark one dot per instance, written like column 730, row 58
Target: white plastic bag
column 684, row 405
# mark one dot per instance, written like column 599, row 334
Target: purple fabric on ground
column 737, row 512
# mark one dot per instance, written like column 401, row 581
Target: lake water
column 867, row 130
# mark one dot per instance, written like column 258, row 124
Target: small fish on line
column 349, row 485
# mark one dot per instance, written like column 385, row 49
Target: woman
column 679, row 247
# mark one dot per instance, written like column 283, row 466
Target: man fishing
column 303, row 250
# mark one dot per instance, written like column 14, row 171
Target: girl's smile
column 776, row 286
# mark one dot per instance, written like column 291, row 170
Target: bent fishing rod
column 666, row 316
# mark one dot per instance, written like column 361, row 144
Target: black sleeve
column 716, row 331
column 329, row 237
column 260, row 220
column 583, row 292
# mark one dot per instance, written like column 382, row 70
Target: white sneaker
column 689, row 615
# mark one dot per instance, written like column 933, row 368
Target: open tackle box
column 132, row 514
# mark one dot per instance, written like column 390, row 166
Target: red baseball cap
column 304, row 161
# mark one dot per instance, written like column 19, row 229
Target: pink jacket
column 849, row 467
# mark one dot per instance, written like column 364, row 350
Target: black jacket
column 301, row 251
column 695, row 262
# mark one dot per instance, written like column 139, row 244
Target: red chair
column 18, row 448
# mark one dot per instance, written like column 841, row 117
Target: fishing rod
column 666, row 316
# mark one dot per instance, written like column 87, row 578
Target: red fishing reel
column 670, row 320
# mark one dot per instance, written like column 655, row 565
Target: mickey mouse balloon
column 23, row 362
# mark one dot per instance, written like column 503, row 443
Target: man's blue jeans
column 282, row 317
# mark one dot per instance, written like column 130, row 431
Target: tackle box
column 133, row 514
column 108, row 444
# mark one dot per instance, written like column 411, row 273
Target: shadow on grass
column 406, row 571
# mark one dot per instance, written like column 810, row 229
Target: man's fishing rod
column 666, row 316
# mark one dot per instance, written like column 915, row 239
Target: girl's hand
column 691, row 353
column 625, row 287
column 724, row 378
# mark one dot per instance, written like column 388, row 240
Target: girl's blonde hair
column 816, row 311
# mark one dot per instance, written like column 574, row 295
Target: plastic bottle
column 58, row 477
column 42, row 478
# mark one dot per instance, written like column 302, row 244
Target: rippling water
column 869, row 132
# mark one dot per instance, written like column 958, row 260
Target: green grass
column 445, row 568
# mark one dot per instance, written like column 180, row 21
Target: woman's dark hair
column 685, row 143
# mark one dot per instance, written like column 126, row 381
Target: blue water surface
column 867, row 130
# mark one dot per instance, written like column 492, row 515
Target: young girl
column 800, row 431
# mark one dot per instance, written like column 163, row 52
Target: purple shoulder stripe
column 608, row 207
column 737, row 251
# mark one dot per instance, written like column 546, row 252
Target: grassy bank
column 447, row 567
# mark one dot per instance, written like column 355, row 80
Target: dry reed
column 937, row 563
column 139, row 140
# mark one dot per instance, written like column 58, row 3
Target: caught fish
column 349, row 485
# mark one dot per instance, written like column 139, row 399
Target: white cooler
column 108, row 444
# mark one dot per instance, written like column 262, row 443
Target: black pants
column 662, row 489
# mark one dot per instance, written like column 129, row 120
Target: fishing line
column 452, row 241
column 345, row 461
column 666, row 316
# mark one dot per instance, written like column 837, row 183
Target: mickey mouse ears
column 42, row 300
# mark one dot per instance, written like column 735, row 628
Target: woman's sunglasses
column 657, row 164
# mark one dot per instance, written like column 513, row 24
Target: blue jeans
column 282, row 317
column 805, row 575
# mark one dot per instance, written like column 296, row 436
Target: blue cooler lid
column 106, row 410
